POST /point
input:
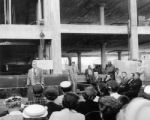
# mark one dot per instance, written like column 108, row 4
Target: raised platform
column 14, row 81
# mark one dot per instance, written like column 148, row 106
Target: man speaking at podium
column 35, row 76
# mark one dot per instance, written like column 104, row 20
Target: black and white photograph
column 74, row 59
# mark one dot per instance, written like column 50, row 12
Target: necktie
column 34, row 71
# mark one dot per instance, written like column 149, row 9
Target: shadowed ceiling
column 87, row 11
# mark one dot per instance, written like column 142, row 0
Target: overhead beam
column 93, row 29
column 33, row 31
column 23, row 32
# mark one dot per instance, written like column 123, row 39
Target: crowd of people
column 116, row 97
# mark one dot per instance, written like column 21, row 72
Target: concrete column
column 79, row 61
column 39, row 11
column 47, row 51
column 119, row 55
column 1, row 58
column 102, row 14
column 133, row 41
column 40, row 52
column 69, row 60
column 103, row 55
column 52, row 20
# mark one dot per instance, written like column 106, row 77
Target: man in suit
column 133, row 86
column 73, row 73
column 35, row 76
column 110, row 69
column 89, row 74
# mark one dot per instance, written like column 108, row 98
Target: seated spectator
column 88, row 105
column 123, row 100
column 103, row 89
column 70, row 102
column 124, row 77
column 113, row 89
column 137, row 109
column 65, row 87
column 38, row 96
column 35, row 112
column 109, row 107
column 51, row 93
column 14, row 105
column 132, row 87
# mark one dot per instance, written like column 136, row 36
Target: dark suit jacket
column 52, row 107
column 132, row 88
column 88, row 106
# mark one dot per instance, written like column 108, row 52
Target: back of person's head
column 123, row 100
column 90, row 93
column 13, row 102
column 104, row 91
column 137, row 109
column 35, row 112
column 116, row 69
column 113, row 86
column 145, row 92
column 37, row 90
column 66, row 86
column 51, row 93
column 109, row 107
column 70, row 101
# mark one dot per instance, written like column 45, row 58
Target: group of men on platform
column 129, row 85
column 126, row 84
column 35, row 76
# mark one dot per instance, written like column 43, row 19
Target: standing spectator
column 88, row 105
column 117, row 76
column 89, row 74
column 51, row 93
column 14, row 106
column 73, row 73
column 110, row 69
column 35, row 76
column 140, row 69
column 70, row 102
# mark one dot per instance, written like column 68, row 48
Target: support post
column 40, row 52
column 9, row 11
column 103, row 55
column 52, row 20
column 69, row 60
column 79, row 61
column 102, row 14
column 119, row 55
column 133, row 41
column 47, row 51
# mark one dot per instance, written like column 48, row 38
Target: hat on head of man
column 66, row 86
column 35, row 111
